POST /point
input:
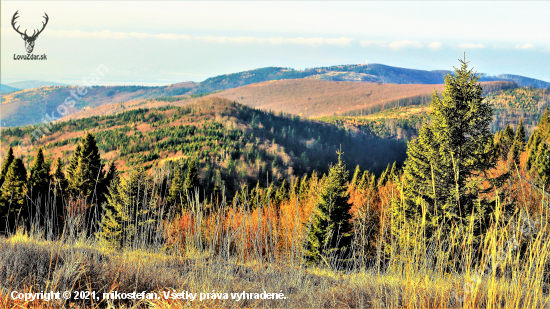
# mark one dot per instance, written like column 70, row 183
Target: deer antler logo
column 29, row 40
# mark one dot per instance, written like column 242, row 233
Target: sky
column 158, row 43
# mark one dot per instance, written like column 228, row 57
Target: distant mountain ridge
column 352, row 72
column 29, row 106
column 30, row 84
column 7, row 89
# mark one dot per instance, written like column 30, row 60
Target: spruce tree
column 38, row 188
column 532, row 145
column 73, row 163
column 449, row 153
column 255, row 197
column 542, row 163
column 519, row 144
column 191, row 181
column 128, row 220
column 176, row 194
column 87, row 179
column 59, row 180
column 507, row 140
column 59, row 184
column 86, row 169
column 356, row 178
column 12, row 197
column 282, row 193
column 5, row 165
column 112, row 174
column 329, row 235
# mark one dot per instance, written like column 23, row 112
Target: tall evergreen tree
column 112, row 174
column 542, row 163
column 73, row 163
column 5, row 165
column 329, row 234
column 87, row 179
column 86, row 169
column 304, row 184
column 128, row 218
column 191, row 180
column 449, row 153
column 59, row 185
column 255, row 197
column 356, row 178
column 176, row 194
column 519, row 144
column 13, row 196
column 38, row 188
column 282, row 193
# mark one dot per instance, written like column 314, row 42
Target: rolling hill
column 352, row 72
column 29, row 106
column 233, row 143
column 303, row 97
column 509, row 106
column 7, row 89
column 316, row 98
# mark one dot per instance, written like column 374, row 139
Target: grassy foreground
column 218, row 252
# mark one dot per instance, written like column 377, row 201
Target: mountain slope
column 352, row 72
column 31, row 105
column 315, row 98
column 509, row 106
column 7, row 89
column 310, row 97
column 234, row 143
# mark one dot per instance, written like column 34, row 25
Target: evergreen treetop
column 450, row 152
column 5, row 165
column 330, row 229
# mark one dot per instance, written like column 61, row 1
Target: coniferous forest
column 216, row 197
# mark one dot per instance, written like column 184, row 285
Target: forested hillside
column 232, row 144
column 31, row 105
column 351, row 72
column 403, row 122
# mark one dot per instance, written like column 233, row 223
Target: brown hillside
column 305, row 97
column 313, row 98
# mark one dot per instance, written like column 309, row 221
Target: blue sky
column 155, row 43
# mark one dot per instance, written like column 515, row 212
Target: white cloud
column 470, row 45
column 368, row 43
column 434, row 46
column 404, row 44
column 525, row 46
column 214, row 39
